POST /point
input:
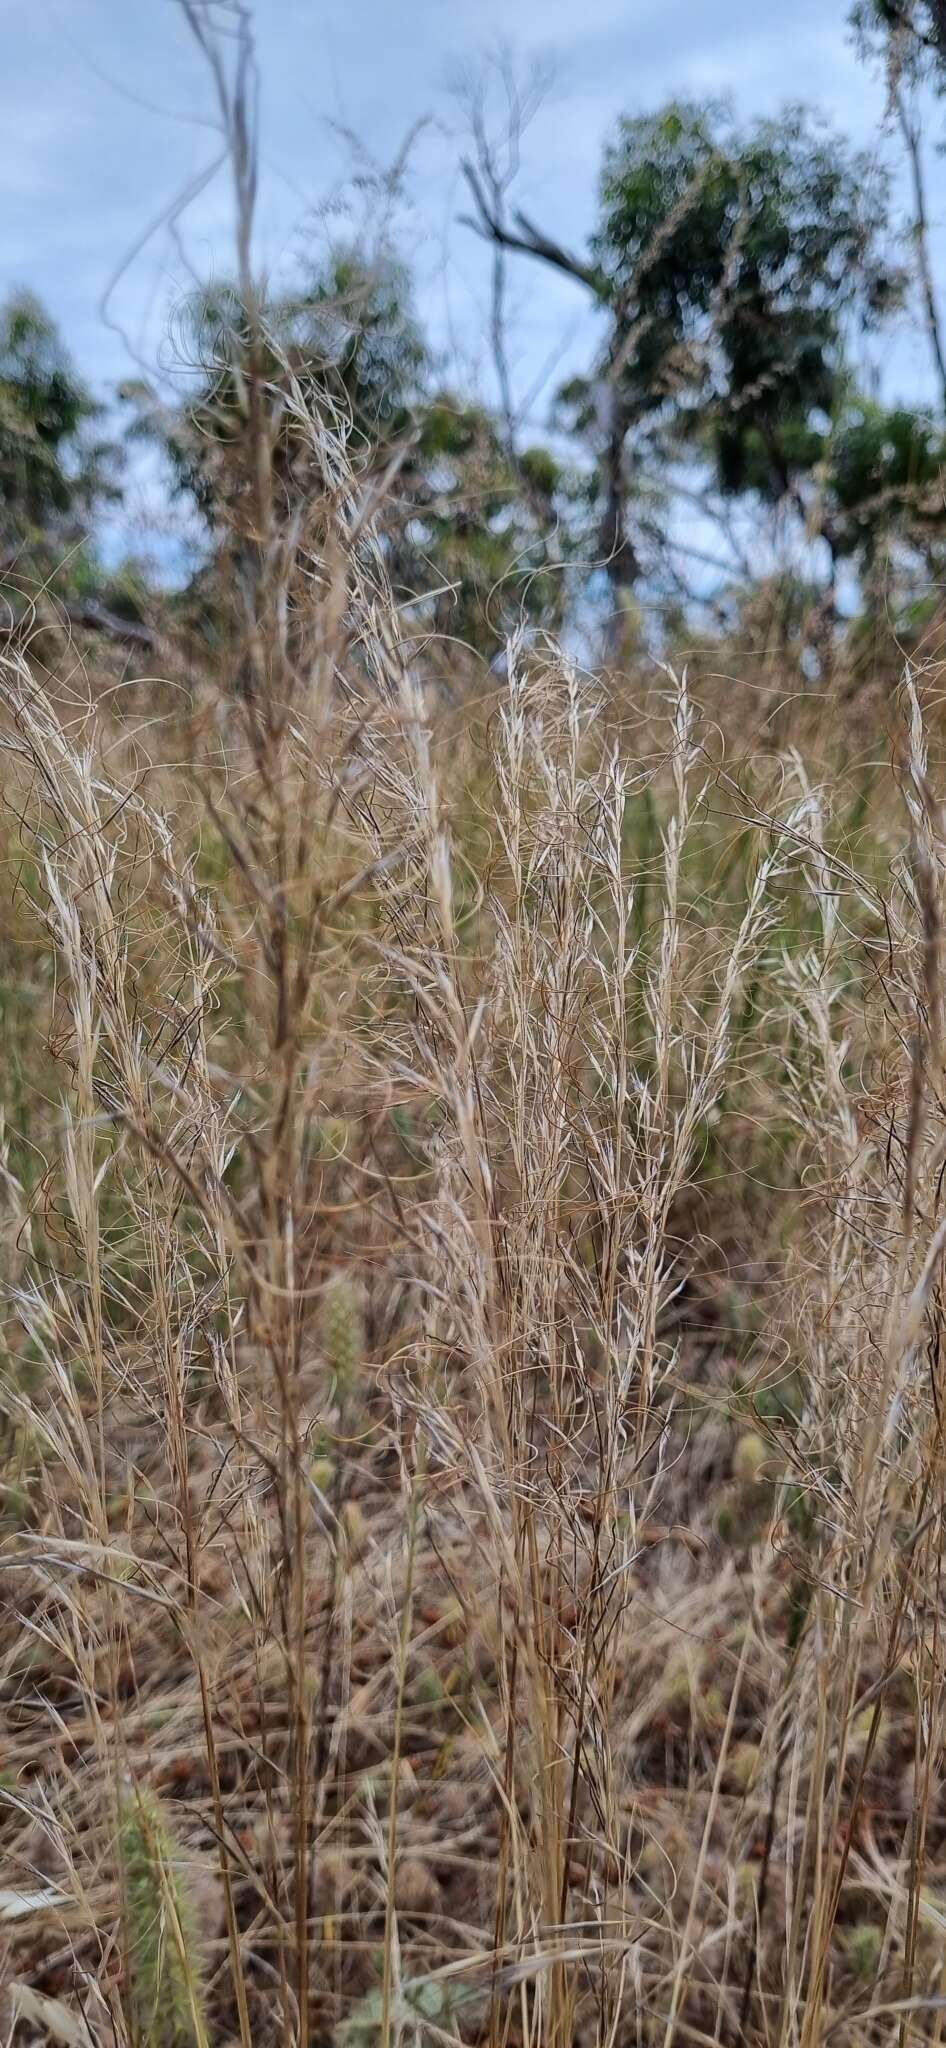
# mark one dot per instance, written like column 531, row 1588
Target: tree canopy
column 52, row 473
column 736, row 269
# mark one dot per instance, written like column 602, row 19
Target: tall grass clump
column 472, row 1382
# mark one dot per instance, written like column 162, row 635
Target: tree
column 52, row 473
column 910, row 32
column 345, row 339
column 471, row 520
column 459, row 526
column 910, row 40
column 728, row 263
column 882, row 497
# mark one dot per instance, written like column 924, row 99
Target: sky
column 108, row 122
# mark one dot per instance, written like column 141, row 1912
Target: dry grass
column 499, row 1531
column 473, row 1372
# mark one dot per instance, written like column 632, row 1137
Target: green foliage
column 884, row 470
column 423, row 2008
column 732, row 256
column 343, row 340
column 346, row 335
column 340, row 1330
column 462, row 522
column 910, row 35
column 51, row 474
column 163, row 1964
column 475, row 525
column 863, row 1948
column 732, row 262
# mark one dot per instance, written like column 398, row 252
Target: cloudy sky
column 107, row 122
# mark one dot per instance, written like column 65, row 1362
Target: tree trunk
column 619, row 555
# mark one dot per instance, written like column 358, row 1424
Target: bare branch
column 530, row 241
column 498, row 157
